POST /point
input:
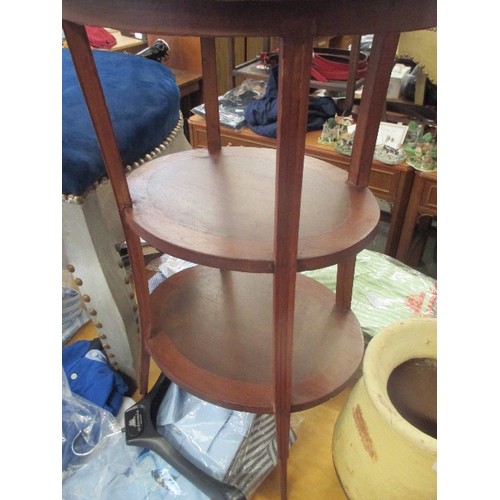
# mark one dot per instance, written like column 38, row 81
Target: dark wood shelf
column 218, row 210
column 212, row 334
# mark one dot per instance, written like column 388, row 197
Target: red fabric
column 99, row 38
column 333, row 64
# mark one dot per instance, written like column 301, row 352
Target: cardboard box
column 398, row 72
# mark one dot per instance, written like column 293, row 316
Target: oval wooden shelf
column 212, row 334
column 218, row 210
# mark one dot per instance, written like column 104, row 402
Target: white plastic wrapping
column 233, row 103
column 385, row 291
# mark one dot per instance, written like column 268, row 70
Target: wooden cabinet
column 185, row 51
column 422, row 202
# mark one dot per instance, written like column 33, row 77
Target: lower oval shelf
column 213, row 336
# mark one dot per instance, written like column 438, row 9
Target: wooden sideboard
column 391, row 183
column 422, row 202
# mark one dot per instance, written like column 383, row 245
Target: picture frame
column 391, row 135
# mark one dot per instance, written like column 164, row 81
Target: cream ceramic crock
column 378, row 454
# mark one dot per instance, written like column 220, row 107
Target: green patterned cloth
column 385, row 291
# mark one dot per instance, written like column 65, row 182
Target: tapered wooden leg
column 136, row 257
column 210, row 94
column 371, row 108
column 283, row 480
column 372, row 105
column 293, row 95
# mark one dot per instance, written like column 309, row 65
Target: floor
column 310, row 468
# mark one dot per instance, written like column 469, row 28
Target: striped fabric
column 155, row 280
column 257, row 456
column 74, row 316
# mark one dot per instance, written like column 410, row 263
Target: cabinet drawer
column 428, row 200
column 384, row 182
column 229, row 137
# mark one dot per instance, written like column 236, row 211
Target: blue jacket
column 262, row 114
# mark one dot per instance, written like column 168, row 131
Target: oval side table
column 256, row 352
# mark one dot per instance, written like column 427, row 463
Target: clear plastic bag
column 116, row 471
column 98, row 463
column 84, row 426
column 233, row 103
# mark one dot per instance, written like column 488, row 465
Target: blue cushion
column 143, row 100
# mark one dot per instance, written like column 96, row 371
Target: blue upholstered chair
column 143, row 99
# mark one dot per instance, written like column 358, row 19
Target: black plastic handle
column 140, row 430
